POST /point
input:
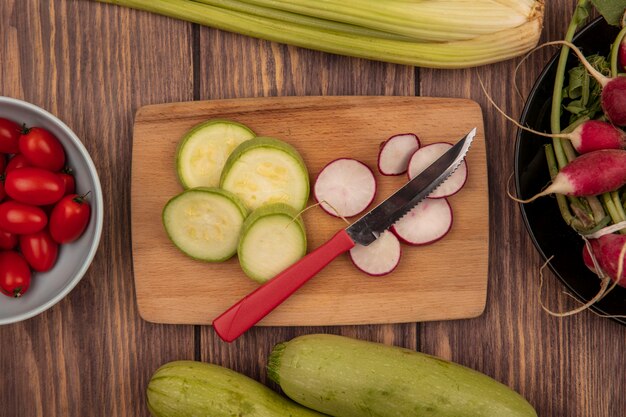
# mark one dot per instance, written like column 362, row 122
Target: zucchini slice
column 271, row 240
column 205, row 148
column 264, row 171
column 205, row 223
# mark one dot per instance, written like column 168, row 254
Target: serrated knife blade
column 371, row 225
column 252, row 308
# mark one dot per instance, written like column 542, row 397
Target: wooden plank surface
column 94, row 65
column 321, row 129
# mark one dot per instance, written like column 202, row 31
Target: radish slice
column 424, row 157
column 395, row 153
column 347, row 185
column 380, row 257
column 426, row 223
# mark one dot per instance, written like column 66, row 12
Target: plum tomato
column 34, row 186
column 39, row 250
column 42, row 149
column 69, row 218
column 8, row 240
column 69, row 181
column 21, row 219
column 18, row 161
column 14, row 274
column 10, row 133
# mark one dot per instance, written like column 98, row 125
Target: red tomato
column 7, row 240
column 69, row 181
column 34, row 186
column 69, row 218
column 21, row 219
column 3, row 162
column 39, row 250
column 3, row 193
column 10, row 133
column 18, row 161
column 42, row 149
column 14, row 274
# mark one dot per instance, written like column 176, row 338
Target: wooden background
column 94, row 65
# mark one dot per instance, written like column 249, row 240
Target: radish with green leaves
column 590, row 174
column 613, row 98
column 588, row 136
column 607, row 249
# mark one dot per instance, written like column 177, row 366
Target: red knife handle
column 249, row 310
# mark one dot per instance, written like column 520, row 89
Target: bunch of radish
column 39, row 209
column 347, row 187
column 587, row 160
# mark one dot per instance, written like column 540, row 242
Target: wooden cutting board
column 446, row 280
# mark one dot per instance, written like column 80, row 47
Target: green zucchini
column 272, row 238
column 202, row 152
column 345, row 377
column 196, row 389
column 264, row 171
column 205, row 223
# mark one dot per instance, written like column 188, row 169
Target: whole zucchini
column 196, row 389
column 345, row 377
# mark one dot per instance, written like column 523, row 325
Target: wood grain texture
column 565, row 366
column 93, row 66
column 322, row 129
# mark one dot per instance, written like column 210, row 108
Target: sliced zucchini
column 271, row 240
column 205, row 223
column 264, row 171
column 204, row 149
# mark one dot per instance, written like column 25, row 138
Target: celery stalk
column 481, row 50
column 431, row 21
column 313, row 22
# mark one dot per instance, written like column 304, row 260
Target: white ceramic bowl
column 49, row 288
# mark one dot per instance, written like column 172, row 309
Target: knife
column 249, row 310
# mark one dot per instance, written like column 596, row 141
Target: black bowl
column 549, row 232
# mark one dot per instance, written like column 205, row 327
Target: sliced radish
column 426, row 223
column 425, row 156
column 347, row 185
column 395, row 153
column 380, row 257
